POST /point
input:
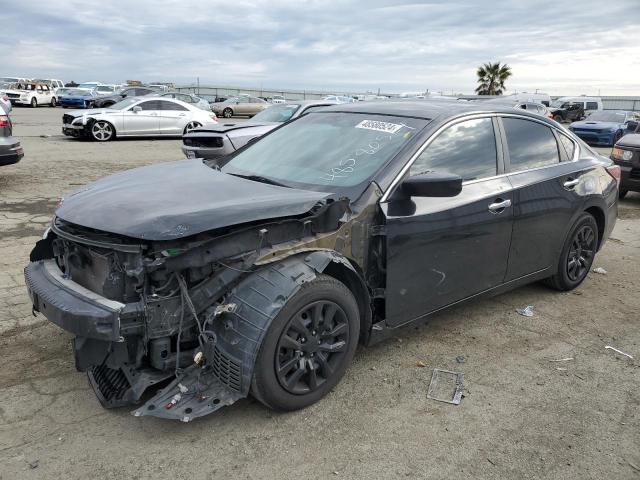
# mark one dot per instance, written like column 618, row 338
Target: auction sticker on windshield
column 379, row 126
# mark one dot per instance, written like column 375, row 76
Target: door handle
column 569, row 184
column 499, row 206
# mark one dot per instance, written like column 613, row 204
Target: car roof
column 427, row 109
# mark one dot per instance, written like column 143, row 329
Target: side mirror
column 432, row 184
column 136, row 109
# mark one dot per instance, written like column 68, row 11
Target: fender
column 237, row 328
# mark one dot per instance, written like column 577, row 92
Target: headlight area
column 136, row 322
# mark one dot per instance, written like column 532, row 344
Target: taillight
column 614, row 171
column 4, row 121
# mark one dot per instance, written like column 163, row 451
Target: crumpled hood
column 630, row 140
column 586, row 125
column 172, row 200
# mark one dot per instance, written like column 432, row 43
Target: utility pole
column 198, row 82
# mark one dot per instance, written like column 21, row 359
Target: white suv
column 31, row 93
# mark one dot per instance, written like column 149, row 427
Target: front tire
column 34, row 102
column 53, row 101
column 308, row 346
column 191, row 126
column 577, row 254
column 616, row 137
column 227, row 113
column 102, row 131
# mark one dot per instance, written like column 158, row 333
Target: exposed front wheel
column 191, row 126
column 577, row 254
column 34, row 102
column 102, row 131
column 227, row 113
column 53, row 101
column 617, row 137
column 308, row 346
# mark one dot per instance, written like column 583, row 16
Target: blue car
column 78, row 98
column 604, row 127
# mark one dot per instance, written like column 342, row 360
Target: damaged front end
column 194, row 310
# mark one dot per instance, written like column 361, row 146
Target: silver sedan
column 136, row 117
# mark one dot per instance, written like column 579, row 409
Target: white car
column 31, row 93
column 136, row 117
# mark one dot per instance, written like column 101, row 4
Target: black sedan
column 107, row 101
column 220, row 140
column 626, row 154
column 261, row 273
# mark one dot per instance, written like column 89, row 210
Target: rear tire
column 308, row 346
column 577, row 254
column 622, row 193
column 227, row 113
column 191, row 126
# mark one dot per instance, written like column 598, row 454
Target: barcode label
column 379, row 126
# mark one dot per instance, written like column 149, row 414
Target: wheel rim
column 101, row 131
column 227, row 113
column 581, row 253
column 34, row 102
column 311, row 347
column 191, row 125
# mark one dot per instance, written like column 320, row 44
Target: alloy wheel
column 581, row 253
column 227, row 113
column 311, row 347
column 102, row 131
column 191, row 126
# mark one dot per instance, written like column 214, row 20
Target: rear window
column 568, row 145
column 592, row 106
column 531, row 144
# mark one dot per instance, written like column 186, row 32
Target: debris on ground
column 442, row 393
column 562, row 359
column 33, row 464
column 420, row 364
column 609, row 347
column 600, row 270
column 460, row 359
column 634, row 466
column 526, row 311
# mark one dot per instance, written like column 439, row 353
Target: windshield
column 121, row 105
column 277, row 113
column 616, row 117
column 326, row 151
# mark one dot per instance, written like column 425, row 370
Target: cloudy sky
column 556, row 46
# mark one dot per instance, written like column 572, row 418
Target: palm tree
column 491, row 77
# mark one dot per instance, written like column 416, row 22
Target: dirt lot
column 523, row 415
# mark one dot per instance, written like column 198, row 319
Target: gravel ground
column 523, row 415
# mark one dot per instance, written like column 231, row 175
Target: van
column 590, row 104
column 542, row 98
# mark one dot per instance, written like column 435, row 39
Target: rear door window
column 531, row 144
column 591, row 106
column 467, row 149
